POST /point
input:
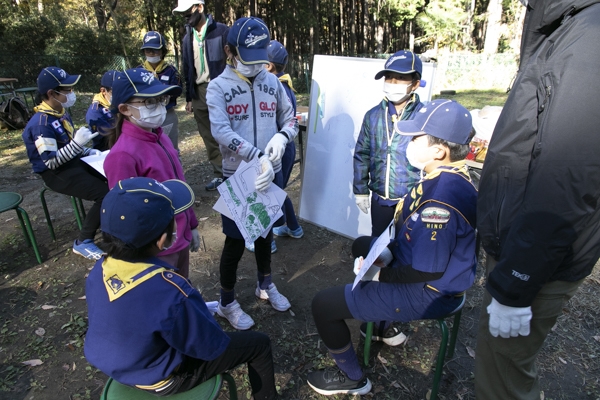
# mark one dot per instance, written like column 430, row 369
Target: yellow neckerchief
column 99, row 97
column 45, row 108
column 457, row 167
column 286, row 78
column 122, row 276
column 159, row 68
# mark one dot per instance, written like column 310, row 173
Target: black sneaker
column 214, row 184
column 392, row 335
column 334, row 381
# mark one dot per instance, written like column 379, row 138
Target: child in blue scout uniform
column 278, row 58
column 429, row 264
column 98, row 116
column 54, row 149
column 155, row 50
column 251, row 117
column 149, row 328
column 380, row 164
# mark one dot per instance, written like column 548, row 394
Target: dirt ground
column 43, row 309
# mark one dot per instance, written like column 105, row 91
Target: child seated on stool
column 149, row 328
column 424, row 271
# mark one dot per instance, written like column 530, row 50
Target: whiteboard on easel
column 343, row 89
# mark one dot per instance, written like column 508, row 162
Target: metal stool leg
column 28, row 232
column 81, row 207
column 77, row 214
column 46, row 213
column 230, row 385
column 367, row 349
column 454, row 334
column 440, row 359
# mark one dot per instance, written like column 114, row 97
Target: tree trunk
column 492, row 33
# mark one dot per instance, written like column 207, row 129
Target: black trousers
column 76, row 178
column 329, row 311
column 232, row 253
column 253, row 348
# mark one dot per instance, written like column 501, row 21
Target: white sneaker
column 235, row 315
column 278, row 301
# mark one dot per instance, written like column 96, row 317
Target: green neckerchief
column 200, row 40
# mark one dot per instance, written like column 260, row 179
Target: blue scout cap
column 402, row 62
column 251, row 37
column 277, row 53
column 53, row 77
column 153, row 40
column 137, row 210
column 139, row 82
column 108, row 78
column 444, row 119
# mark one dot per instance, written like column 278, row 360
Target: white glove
column 264, row 180
column 508, row 321
column 83, row 136
column 371, row 275
column 195, row 244
column 276, row 146
column 363, row 202
column 94, row 152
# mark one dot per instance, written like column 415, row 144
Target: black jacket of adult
column 537, row 209
column 214, row 43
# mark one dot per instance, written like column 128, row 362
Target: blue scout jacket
column 100, row 119
column 144, row 319
column 437, row 230
column 380, row 164
column 44, row 135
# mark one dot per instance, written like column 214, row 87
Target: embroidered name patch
column 435, row 217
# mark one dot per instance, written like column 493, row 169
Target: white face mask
column 396, row 92
column 153, row 59
column 71, row 97
column 249, row 70
column 415, row 153
column 150, row 119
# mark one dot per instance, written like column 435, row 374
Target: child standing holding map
column 247, row 104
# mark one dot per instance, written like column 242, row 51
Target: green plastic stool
column 11, row 201
column 78, row 208
column 437, row 377
column 208, row 390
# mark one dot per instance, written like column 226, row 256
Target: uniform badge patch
column 115, row 283
column 435, row 217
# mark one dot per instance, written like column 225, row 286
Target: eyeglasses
column 153, row 102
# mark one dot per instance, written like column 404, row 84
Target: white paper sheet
column 381, row 243
column 254, row 212
column 97, row 162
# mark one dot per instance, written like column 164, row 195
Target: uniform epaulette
column 181, row 283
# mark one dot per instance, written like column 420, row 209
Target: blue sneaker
column 250, row 248
column 87, row 249
column 283, row 230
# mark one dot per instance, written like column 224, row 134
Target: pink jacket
column 142, row 153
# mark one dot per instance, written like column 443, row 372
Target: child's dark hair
column 457, row 151
column 232, row 49
column 279, row 67
column 39, row 97
column 114, row 132
column 118, row 249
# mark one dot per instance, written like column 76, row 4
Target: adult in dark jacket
column 538, row 213
column 203, row 59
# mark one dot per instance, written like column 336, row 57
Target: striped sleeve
column 63, row 155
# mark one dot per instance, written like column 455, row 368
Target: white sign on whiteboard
column 343, row 89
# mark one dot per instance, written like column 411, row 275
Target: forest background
column 474, row 42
